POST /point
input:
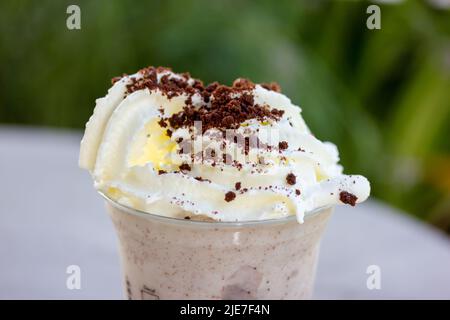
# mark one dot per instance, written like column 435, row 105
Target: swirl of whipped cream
column 163, row 143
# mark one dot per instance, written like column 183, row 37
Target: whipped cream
column 161, row 142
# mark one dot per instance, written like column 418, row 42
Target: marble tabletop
column 51, row 218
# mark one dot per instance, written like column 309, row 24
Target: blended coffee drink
column 216, row 192
column 171, row 259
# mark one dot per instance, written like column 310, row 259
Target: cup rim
column 190, row 222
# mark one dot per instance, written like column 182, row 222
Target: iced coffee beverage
column 216, row 192
column 164, row 258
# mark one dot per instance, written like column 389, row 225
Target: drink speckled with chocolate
column 172, row 259
column 216, row 192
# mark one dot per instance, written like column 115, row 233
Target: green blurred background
column 383, row 96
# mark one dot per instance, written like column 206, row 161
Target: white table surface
column 51, row 217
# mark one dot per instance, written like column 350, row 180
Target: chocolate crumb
column 202, row 179
column 169, row 132
column 230, row 196
column 243, row 84
column 297, row 192
column 283, row 145
column 273, row 86
column 115, row 79
column 229, row 107
column 185, row 167
column 228, row 121
column 291, row 179
column 187, row 218
column 237, row 185
column 169, row 86
column 162, row 123
column 348, row 198
column 162, row 172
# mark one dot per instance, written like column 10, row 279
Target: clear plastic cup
column 167, row 258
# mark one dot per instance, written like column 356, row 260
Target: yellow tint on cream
column 152, row 145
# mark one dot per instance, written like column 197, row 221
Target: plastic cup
column 168, row 258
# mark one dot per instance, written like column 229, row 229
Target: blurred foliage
column 383, row 96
